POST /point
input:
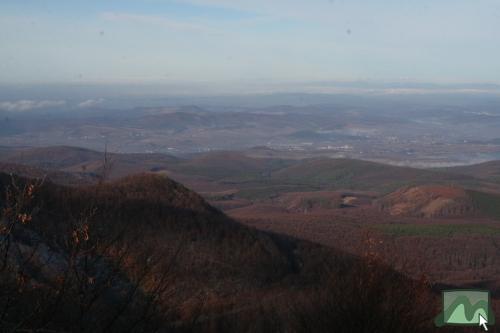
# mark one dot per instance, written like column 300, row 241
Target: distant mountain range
column 423, row 131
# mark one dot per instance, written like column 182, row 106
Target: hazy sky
column 251, row 40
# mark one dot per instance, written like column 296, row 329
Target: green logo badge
column 466, row 308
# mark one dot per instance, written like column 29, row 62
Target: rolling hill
column 61, row 177
column 57, row 157
column 358, row 175
column 432, row 201
column 487, row 170
column 81, row 160
column 253, row 178
column 230, row 166
column 428, row 201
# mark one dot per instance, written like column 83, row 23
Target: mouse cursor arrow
column 483, row 322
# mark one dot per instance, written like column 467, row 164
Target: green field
column 488, row 204
column 438, row 230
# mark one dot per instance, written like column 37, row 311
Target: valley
column 438, row 223
column 423, row 131
column 292, row 196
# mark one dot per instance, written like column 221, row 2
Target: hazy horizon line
column 263, row 87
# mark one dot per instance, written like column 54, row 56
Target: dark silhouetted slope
column 145, row 253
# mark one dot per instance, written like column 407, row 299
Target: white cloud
column 156, row 20
column 90, row 103
column 295, row 9
column 29, row 105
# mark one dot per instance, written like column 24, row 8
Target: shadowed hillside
column 487, row 170
column 145, row 253
column 60, row 177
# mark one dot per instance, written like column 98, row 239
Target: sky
column 235, row 41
